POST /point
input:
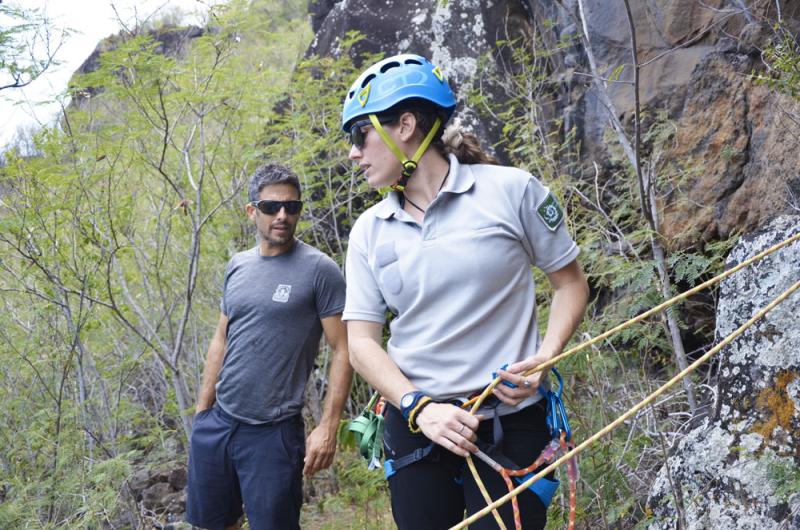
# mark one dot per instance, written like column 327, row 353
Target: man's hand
column 449, row 426
column 320, row 448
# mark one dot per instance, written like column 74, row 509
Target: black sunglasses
column 357, row 136
column 272, row 207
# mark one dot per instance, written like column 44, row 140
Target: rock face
column 725, row 472
column 742, row 140
column 171, row 42
column 733, row 144
column 456, row 35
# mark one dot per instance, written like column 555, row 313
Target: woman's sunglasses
column 357, row 136
column 272, row 207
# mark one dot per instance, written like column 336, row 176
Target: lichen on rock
column 722, row 468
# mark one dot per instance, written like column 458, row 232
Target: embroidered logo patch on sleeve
column 550, row 212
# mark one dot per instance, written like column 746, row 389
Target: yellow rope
column 478, row 401
column 486, row 496
column 642, row 404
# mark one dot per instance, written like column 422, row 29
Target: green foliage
column 362, row 500
column 307, row 135
column 689, row 267
column 112, row 245
column 782, row 59
column 28, row 44
column 114, row 239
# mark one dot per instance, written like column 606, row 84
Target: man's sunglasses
column 272, row 207
column 357, row 136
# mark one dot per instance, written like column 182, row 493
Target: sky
column 90, row 21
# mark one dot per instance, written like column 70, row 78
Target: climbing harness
column 561, row 443
column 368, row 430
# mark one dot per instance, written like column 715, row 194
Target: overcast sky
column 90, row 21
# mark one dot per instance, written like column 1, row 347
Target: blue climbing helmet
column 389, row 82
column 393, row 80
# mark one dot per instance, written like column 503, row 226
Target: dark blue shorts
column 233, row 463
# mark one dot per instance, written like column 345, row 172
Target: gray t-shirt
column 274, row 306
column 459, row 284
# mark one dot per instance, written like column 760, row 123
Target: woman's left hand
column 527, row 386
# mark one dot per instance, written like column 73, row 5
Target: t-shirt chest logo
column 281, row 293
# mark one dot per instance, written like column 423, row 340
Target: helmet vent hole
column 413, row 61
column 350, row 95
column 366, row 81
column 387, row 66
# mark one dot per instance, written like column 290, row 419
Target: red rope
column 548, row 455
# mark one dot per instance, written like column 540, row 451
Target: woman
column 448, row 253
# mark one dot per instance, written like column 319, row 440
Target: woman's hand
column 527, row 386
column 449, row 426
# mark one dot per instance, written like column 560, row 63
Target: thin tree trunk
column 647, row 190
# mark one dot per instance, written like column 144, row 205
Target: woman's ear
column 408, row 126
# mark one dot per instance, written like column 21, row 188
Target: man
column 247, row 445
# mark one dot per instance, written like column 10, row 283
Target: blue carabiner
column 557, row 420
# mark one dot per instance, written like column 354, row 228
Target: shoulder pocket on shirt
column 386, row 259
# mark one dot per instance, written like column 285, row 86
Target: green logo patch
column 550, row 212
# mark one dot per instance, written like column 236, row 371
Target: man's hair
column 269, row 175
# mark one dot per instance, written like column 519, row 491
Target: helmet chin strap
column 409, row 165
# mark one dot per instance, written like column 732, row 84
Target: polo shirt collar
column 460, row 180
column 388, row 207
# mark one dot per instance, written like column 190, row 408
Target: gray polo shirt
column 274, row 305
column 460, row 284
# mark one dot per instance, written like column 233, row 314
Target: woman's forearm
column 372, row 362
column 571, row 293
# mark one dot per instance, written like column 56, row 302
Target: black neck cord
column 404, row 198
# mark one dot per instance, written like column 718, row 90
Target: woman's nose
column 355, row 153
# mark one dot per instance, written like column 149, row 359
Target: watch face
column 407, row 400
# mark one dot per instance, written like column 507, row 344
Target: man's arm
column 571, row 293
column 321, row 443
column 216, row 353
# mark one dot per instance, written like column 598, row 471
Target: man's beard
column 273, row 241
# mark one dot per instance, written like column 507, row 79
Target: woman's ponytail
column 465, row 146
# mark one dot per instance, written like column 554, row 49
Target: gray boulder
column 733, row 470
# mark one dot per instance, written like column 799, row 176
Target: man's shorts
column 233, row 463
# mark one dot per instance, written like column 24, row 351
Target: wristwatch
column 409, row 401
